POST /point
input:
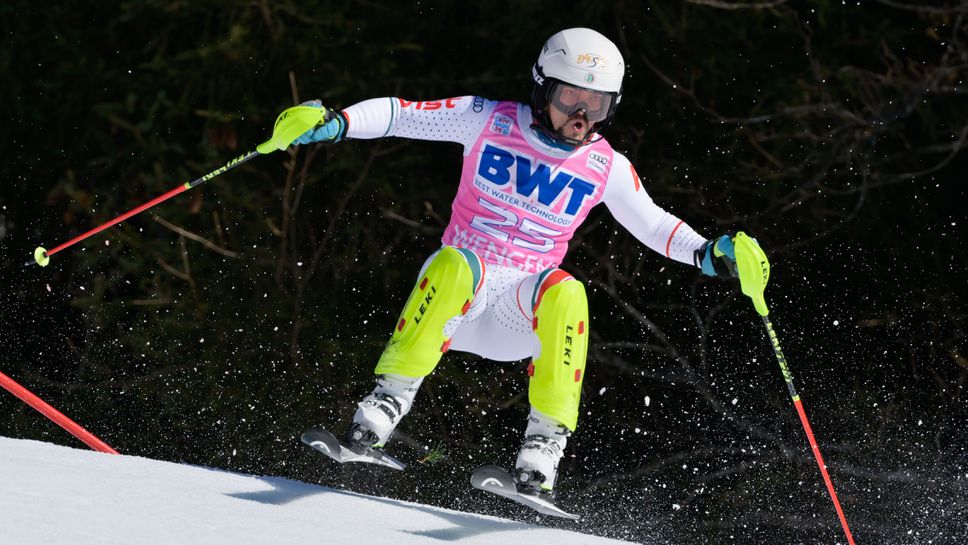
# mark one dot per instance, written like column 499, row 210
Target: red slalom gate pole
column 56, row 416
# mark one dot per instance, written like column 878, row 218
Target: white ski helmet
column 581, row 58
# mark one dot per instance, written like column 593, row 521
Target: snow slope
column 53, row 495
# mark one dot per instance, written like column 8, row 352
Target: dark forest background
column 213, row 329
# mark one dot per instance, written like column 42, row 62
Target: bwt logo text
column 499, row 167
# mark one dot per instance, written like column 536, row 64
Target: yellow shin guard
column 443, row 292
column 561, row 324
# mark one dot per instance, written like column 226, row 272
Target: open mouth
column 576, row 124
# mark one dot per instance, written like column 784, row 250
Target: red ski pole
column 290, row 124
column 42, row 256
column 56, row 416
column 754, row 272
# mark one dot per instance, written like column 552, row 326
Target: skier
column 530, row 176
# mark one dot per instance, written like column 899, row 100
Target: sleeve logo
column 430, row 104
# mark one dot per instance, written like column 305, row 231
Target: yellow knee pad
column 443, row 292
column 561, row 325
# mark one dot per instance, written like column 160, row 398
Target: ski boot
column 379, row 412
column 537, row 463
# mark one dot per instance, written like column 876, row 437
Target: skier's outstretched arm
column 458, row 119
column 631, row 205
column 627, row 200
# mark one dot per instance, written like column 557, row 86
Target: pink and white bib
column 517, row 206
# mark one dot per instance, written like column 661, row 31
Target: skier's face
column 575, row 126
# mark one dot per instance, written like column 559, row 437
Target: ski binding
column 497, row 480
column 328, row 444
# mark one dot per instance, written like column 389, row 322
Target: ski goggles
column 570, row 99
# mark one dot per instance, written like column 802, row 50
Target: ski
column 497, row 480
column 328, row 444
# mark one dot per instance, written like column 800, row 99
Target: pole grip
column 54, row 415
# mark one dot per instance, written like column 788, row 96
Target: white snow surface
column 53, row 495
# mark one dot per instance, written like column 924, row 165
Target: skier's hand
column 717, row 257
column 331, row 129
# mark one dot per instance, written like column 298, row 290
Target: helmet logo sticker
column 592, row 60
